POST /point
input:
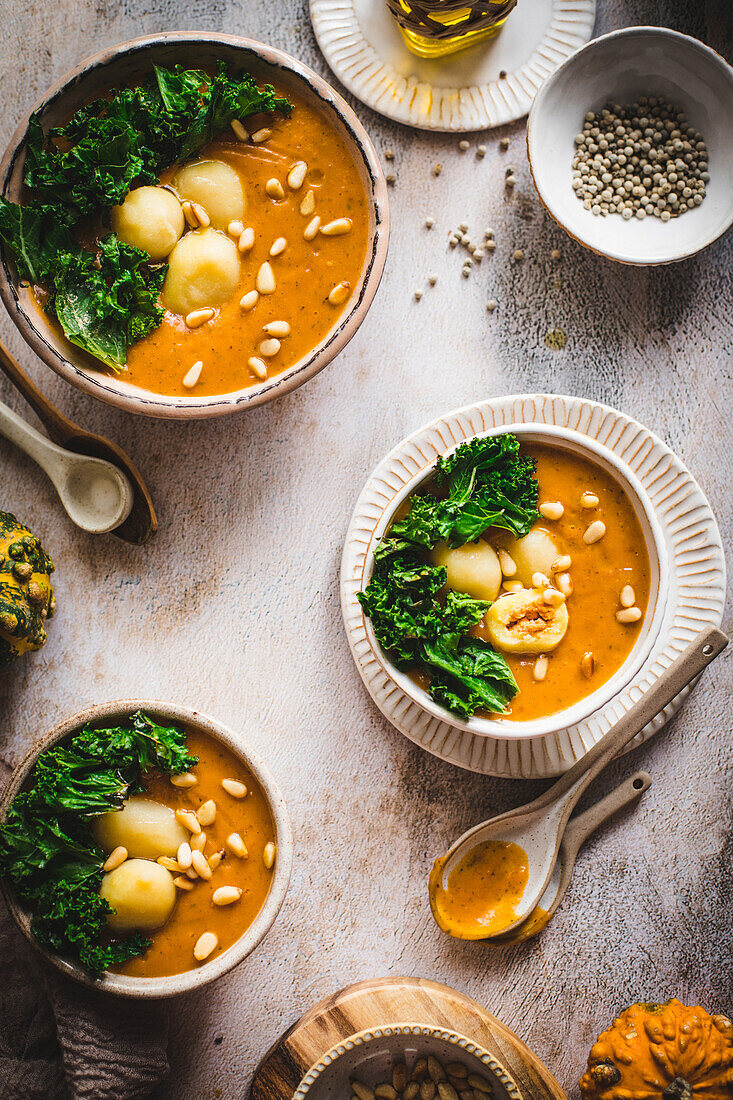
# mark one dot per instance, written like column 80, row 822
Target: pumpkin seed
column 427, row 1090
column 446, row 1091
column 476, row 1081
column 411, row 1091
column 435, row 1069
column 385, row 1092
column 362, row 1091
column 399, row 1076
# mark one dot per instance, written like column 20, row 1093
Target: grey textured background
column 233, row 608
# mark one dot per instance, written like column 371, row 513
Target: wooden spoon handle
column 59, row 427
column 708, row 645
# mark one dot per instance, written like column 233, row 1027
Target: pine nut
column 237, row 845
column 192, row 376
column 191, row 875
column 234, row 788
column 200, row 864
column 206, row 812
column 308, row 204
column 188, row 214
column 226, row 895
column 205, row 944
column 589, row 500
column 553, row 597
column 239, row 131
column 561, row 564
column 257, row 366
column 339, row 293
column 627, row 598
column 198, row 317
column 540, row 668
column 311, row 229
column 476, row 1081
column 277, row 328
column 185, row 779
column 249, row 300
column 435, row 1069
column 551, row 509
column 588, row 665
column 188, row 819
column 507, row 563
column 362, row 1091
column 246, row 239
column 235, row 229
column 270, row 347
column 169, row 864
column 261, row 135
column 539, row 580
column 296, row 175
column 215, row 859
column 628, row 615
column 202, row 218
column 265, row 281
column 513, row 586
column 198, row 843
column 183, row 883
column 268, row 856
column 115, row 858
column 594, row 533
column 564, row 582
column 183, row 855
column 275, row 189
column 337, row 227
column 278, row 246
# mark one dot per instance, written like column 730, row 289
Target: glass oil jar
column 435, row 28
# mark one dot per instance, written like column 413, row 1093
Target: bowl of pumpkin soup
column 190, row 225
column 144, row 849
column 516, row 585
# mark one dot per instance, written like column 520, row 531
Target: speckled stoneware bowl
column 369, row 1056
column 621, row 66
column 206, row 972
column 569, row 440
column 120, row 65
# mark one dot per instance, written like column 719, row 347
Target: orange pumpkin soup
column 195, row 912
column 482, row 892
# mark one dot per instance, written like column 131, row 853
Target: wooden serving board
column 385, row 1001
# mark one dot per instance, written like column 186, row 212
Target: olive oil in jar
column 435, row 28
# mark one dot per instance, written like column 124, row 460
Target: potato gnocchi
column 203, row 271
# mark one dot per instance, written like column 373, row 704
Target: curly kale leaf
column 470, row 677
column 141, row 743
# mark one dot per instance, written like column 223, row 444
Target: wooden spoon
column 538, row 828
column 142, row 521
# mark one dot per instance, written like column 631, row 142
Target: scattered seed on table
column 418, row 295
column 518, row 254
column 432, row 279
column 463, row 226
column 491, row 305
column 429, row 223
column 481, row 151
column 453, row 241
column 390, row 178
column 389, row 154
column 555, row 254
column 490, row 246
column 463, row 145
column 504, row 144
column 509, row 181
column 437, row 169
column 556, row 339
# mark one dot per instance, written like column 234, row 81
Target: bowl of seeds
column 629, row 149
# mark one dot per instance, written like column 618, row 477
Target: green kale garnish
column 107, row 299
column 484, row 483
column 47, row 848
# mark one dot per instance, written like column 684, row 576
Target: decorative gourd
column 26, row 596
column 662, row 1052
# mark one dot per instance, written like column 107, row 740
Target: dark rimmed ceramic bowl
column 122, row 64
column 208, row 971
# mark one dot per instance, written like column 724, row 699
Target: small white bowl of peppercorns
column 629, row 146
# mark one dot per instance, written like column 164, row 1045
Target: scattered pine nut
column 277, row 328
column 235, row 229
column 215, row 859
column 234, row 788
column 490, row 246
column 588, row 665
column 226, row 895
column 429, row 223
column 312, row 228
column 188, row 214
column 237, row 845
column 184, row 780
column 418, row 295
column 268, row 856
column 491, row 305
column 115, row 858
column 432, row 280
column 308, row 204
column 464, row 145
column 540, row 580
column 389, row 154
column 339, row 293
column 169, row 864
column 627, row 598
column 198, row 843
column 198, row 212
column 275, row 189
column 188, row 819
column 269, row 347
column 589, row 500
column 481, row 151
column 183, row 882
column 265, row 281
column 239, row 131
column 183, row 855
column 518, row 254
column 561, row 564
column 278, row 246
column 391, row 178
column 205, row 944
column 553, row 597
column 249, row 300
column 513, row 586
column 192, row 376
column 198, row 317
column 261, row 135
column 507, row 563
column 564, row 582
column 555, row 254
column 206, row 812
column 437, row 169
column 551, row 509
column 628, row 615
column 594, row 532
column 246, row 239
column 257, row 366
column 337, row 227
column 191, row 875
column 296, row 175
column 509, row 182
column 200, row 864
column 504, row 144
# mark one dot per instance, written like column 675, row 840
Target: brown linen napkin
column 61, row 1041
